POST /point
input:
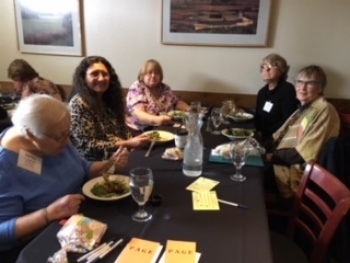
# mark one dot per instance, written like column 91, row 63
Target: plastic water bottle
column 193, row 152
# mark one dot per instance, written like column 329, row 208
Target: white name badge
column 268, row 106
column 29, row 162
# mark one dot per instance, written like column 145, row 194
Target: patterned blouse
column 140, row 96
column 94, row 134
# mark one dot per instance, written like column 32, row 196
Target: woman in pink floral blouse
column 149, row 99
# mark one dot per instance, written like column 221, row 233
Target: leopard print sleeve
column 90, row 132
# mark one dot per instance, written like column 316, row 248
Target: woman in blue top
column 40, row 171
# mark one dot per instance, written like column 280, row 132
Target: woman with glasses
column 41, row 173
column 276, row 101
column 98, row 111
column 303, row 136
column 149, row 98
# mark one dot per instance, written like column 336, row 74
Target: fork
column 150, row 148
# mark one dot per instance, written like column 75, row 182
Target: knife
column 150, row 148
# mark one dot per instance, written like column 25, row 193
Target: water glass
column 216, row 120
column 238, row 154
column 226, row 109
column 141, row 185
column 195, row 107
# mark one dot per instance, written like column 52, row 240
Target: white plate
column 241, row 116
column 228, row 134
column 90, row 184
column 165, row 136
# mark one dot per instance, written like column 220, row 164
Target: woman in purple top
column 149, row 98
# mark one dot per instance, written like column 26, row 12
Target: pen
column 233, row 204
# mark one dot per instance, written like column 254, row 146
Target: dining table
column 230, row 234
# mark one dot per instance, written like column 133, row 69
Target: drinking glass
column 216, row 120
column 195, row 107
column 12, row 95
column 141, row 185
column 226, row 109
column 238, row 155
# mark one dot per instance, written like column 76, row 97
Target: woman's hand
column 121, row 159
column 163, row 119
column 137, row 141
column 64, row 207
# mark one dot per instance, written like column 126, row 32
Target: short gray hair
column 280, row 62
column 37, row 113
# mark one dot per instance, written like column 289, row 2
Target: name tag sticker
column 268, row 106
column 29, row 162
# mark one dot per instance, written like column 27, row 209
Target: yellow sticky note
column 180, row 251
column 202, row 184
column 205, row 201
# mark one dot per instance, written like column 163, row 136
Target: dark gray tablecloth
column 229, row 235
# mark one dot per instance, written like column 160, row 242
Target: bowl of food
column 241, row 116
column 98, row 189
column 237, row 133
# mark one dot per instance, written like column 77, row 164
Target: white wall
column 128, row 32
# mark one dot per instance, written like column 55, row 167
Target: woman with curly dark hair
column 98, row 111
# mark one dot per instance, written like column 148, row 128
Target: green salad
column 239, row 132
column 111, row 189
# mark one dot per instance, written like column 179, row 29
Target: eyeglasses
column 60, row 139
column 308, row 84
column 268, row 67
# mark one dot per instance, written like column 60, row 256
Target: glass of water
column 238, row 154
column 141, row 185
column 216, row 120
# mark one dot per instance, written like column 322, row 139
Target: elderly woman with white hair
column 41, row 173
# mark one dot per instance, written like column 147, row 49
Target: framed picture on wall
column 215, row 23
column 49, row 27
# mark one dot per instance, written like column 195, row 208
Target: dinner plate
column 164, row 136
column 90, row 184
column 234, row 133
column 241, row 116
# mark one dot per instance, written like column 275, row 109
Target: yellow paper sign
column 140, row 251
column 180, row 251
column 202, row 184
column 205, row 201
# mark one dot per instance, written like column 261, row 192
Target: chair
column 322, row 202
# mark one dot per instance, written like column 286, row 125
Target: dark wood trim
column 215, row 99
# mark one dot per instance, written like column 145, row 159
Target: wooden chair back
column 322, row 202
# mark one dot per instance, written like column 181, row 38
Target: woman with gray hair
column 41, row 173
column 303, row 136
column 276, row 101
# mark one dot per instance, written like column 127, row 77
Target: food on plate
column 239, row 132
column 154, row 135
column 110, row 189
column 173, row 154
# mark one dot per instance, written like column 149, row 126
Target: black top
column 284, row 101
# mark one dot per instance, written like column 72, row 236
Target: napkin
column 220, row 155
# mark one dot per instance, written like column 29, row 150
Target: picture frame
column 50, row 27
column 215, row 23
